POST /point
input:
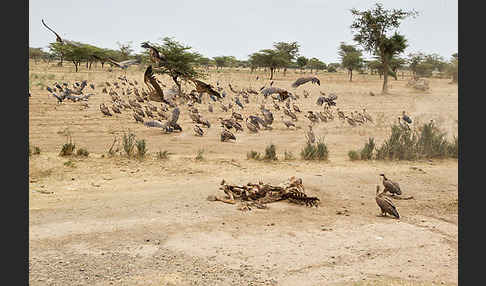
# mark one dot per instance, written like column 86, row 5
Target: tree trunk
column 75, row 65
column 174, row 78
column 385, row 76
column 350, row 75
column 87, row 64
column 271, row 73
column 285, row 71
column 90, row 63
column 102, row 64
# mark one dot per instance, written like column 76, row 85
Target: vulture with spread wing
column 204, row 87
column 58, row 38
column 154, row 53
column 302, row 80
column 156, row 93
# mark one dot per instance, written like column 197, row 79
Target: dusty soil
column 116, row 221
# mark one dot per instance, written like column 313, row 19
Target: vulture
column 210, row 108
column 309, row 135
column 312, row 117
column 238, row 102
column 288, row 124
column 296, row 108
column 154, row 123
column 156, row 93
column 204, row 87
column 350, row 121
column 257, row 121
column 302, row 80
column 59, row 98
column 227, row 135
column 385, row 204
column 267, row 115
column 124, row 64
column 252, row 127
column 105, row 110
column 154, row 54
column 390, row 186
column 92, row 86
column 231, row 88
column 115, row 109
column 174, row 117
column 283, row 94
column 406, row 118
column 198, row 130
column 367, row 116
column 237, row 116
column 59, row 39
column 290, row 114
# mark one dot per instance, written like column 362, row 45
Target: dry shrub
column 353, row 155
column 163, row 155
column 128, row 141
column 270, row 153
column 141, row 148
column 82, row 152
column 253, row 155
column 317, row 151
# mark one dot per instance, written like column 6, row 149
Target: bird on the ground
column 267, row 115
column 283, row 94
column 210, row 108
column 226, row 135
column 296, row 108
column 303, row 80
column 290, row 114
column 238, row 102
column 252, row 127
column 312, row 117
column 386, row 205
column 391, row 186
column 115, row 109
column 406, row 118
column 198, row 131
column 367, row 115
column 237, row 116
column 288, row 124
column 309, row 135
column 92, row 86
column 351, row 121
column 105, row 110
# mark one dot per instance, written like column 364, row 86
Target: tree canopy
column 372, row 29
column 351, row 58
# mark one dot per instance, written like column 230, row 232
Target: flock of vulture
column 139, row 102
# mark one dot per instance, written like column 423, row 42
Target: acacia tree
column 351, row 58
column 371, row 28
column 180, row 63
column 315, row 64
column 125, row 50
column 302, row 62
column 453, row 67
column 288, row 50
column 271, row 59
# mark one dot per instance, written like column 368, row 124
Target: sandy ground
column 120, row 221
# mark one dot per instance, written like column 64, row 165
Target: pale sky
column 236, row 28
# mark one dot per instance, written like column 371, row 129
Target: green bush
column 199, row 156
column 367, row 151
column 253, row 155
column 128, row 141
column 270, row 153
column 68, row 147
column 163, row 155
column 353, row 155
column 288, row 156
column 82, row 152
column 141, row 148
column 316, row 151
column 404, row 144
